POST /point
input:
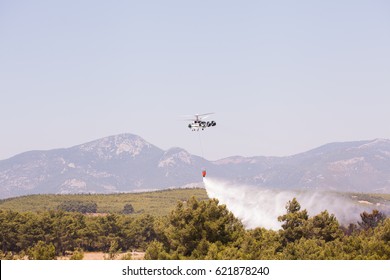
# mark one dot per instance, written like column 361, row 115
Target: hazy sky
column 282, row 76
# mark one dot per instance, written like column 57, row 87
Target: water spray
column 260, row 207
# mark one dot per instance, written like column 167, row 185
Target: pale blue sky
column 282, row 76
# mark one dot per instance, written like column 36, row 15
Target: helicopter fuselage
column 196, row 125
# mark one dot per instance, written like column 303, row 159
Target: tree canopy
column 195, row 229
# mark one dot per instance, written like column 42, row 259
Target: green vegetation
column 191, row 231
column 78, row 254
column 42, row 251
column 128, row 209
column 45, row 235
column 78, row 206
column 158, row 203
column 203, row 230
column 194, row 229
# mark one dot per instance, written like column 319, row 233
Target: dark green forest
column 194, row 229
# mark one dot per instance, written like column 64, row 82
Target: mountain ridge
column 127, row 162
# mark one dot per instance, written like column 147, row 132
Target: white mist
column 260, row 207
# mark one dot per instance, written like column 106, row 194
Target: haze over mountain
column 126, row 162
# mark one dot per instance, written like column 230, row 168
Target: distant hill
column 157, row 203
column 128, row 163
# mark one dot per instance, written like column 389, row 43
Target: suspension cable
column 201, row 145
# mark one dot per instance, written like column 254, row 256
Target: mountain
column 118, row 163
column 361, row 166
column 126, row 162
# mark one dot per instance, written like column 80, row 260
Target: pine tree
column 294, row 222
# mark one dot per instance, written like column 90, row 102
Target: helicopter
column 198, row 122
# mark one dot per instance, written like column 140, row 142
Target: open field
column 157, row 203
column 135, row 255
column 372, row 198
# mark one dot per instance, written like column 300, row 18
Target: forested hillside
column 157, row 203
column 195, row 229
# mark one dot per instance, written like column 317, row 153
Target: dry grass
column 105, row 256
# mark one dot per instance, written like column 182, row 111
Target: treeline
column 194, row 230
column 60, row 233
column 78, row 206
column 89, row 207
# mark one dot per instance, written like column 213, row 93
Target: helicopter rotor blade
column 203, row 116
